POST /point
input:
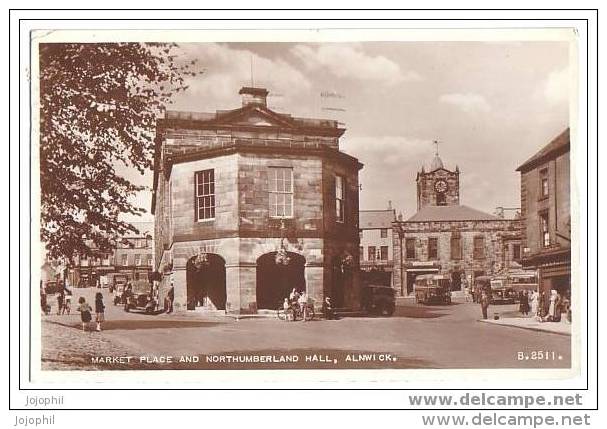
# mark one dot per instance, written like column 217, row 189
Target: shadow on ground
column 132, row 324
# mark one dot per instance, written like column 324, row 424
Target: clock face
column 440, row 186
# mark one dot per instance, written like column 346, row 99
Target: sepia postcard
column 327, row 200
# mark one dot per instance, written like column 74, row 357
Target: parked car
column 432, row 289
column 114, row 280
column 119, row 294
column 378, row 299
column 52, row 287
column 140, row 298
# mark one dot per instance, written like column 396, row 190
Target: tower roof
column 437, row 163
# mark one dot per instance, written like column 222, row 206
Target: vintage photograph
column 242, row 205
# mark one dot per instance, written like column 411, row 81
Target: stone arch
column 206, row 283
column 275, row 281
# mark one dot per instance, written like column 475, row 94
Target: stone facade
column 376, row 241
column 498, row 237
column 437, row 187
column 546, row 210
column 244, row 148
column 445, row 237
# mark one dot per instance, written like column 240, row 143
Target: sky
column 491, row 105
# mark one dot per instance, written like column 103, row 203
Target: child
column 85, row 312
column 99, row 308
column 67, row 305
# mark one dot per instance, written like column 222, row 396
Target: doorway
column 206, row 283
column 275, row 281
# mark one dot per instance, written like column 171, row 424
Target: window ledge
column 205, row 220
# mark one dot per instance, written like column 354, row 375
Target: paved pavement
column 415, row 337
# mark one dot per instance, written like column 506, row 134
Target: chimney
column 252, row 95
column 389, row 204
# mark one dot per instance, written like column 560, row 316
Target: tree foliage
column 98, row 108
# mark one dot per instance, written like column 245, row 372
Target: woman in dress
column 552, row 308
column 533, row 301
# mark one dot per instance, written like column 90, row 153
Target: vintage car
column 432, row 289
column 500, row 294
column 119, row 294
column 378, row 299
column 52, row 287
column 140, row 297
column 114, row 280
column 506, row 287
column 481, row 284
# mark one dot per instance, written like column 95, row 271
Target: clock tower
column 438, row 186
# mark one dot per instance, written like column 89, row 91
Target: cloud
column 468, row 102
column 556, row 86
column 351, row 62
column 228, row 69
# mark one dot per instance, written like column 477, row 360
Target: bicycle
column 294, row 313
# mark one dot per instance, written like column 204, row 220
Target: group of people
column 298, row 301
column 86, row 312
column 545, row 307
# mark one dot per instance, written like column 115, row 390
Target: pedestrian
column 85, row 312
column 484, row 300
column 524, row 303
column 286, row 305
column 303, row 304
column 99, row 310
column 533, row 302
column 67, row 305
column 327, row 309
column 171, row 297
column 555, row 306
column 294, row 296
column 541, row 307
column 60, row 300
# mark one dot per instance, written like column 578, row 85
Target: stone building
column 250, row 203
column 376, row 242
column 445, row 237
column 546, row 210
column 132, row 256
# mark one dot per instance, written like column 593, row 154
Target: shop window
column 383, row 233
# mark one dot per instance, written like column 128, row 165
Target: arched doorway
column 275, row 281
column 206, row 283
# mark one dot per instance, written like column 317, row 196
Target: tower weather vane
column 435, row 142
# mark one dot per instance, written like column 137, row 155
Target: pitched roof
column 450, row 213
column 374, row 219
column 559, row 144
column 142, row 227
